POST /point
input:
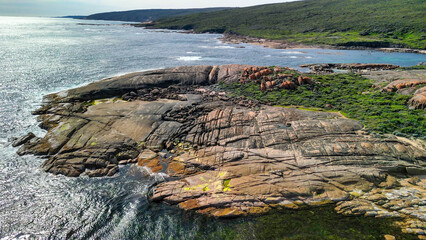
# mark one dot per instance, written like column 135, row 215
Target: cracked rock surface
column 228, row 157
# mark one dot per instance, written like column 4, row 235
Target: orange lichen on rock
column 263, row 86
column 288, row 85
column 154, row 164
column 307, row 80
column 399, row 84
column 283, row 76
column 300, row 80
column 268, row 84
column 292, row 85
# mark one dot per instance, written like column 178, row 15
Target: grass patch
column 352, row 95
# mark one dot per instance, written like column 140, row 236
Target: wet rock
column 99, row 172
column 26, row 148
column 24, row 139
column 112, row 171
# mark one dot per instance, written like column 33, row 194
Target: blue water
column 40, row 56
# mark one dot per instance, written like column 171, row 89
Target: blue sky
column 86, row 7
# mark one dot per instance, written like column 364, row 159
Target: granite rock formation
column 227, row 157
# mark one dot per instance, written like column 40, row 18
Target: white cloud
column 85, row 7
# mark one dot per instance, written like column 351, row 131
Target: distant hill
column 369, row 23
column 74, row 17
column 148, row 15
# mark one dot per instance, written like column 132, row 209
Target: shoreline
column 274, row 44
column 281, row 44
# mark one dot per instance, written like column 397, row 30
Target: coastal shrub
column 352, row 95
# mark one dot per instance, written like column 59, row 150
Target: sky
column 87, row 7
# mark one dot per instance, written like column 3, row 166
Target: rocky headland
column 230, row 156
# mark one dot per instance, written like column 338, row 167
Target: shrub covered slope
column 147, row 15
column 368, row 23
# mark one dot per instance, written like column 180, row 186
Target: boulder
column 418, row 101
column 400, row 84
column 24, row 139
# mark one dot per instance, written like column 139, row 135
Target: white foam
column 22, row 236
column 189, row 58
column 223, row 47
column 218, row 47
column 293, row 52
column 62, row 94
column 3, row 141
column 158, row 177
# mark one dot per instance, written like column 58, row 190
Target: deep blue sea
column 42, row 55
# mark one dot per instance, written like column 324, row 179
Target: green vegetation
column 318, row 223
column 367, row 23
column 146, row 15
column 352, row 95
column 416, row 67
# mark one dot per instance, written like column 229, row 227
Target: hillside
column 368, row 23
column 148, row 15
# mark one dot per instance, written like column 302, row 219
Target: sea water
column 44, row 55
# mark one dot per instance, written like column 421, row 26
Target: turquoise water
column 40, row 56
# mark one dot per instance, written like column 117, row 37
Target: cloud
column 86, row 7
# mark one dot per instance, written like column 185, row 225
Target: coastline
column 276, row 44
column 282, row 44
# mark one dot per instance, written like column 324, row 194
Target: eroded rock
column 418, row 101
column 281, row 156
column 227, row 156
